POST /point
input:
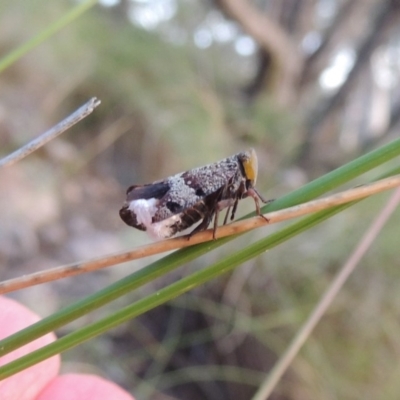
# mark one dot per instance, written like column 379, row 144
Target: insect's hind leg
column 203, row 225
column 208, row 217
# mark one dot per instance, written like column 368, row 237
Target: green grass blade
column 168, row 293
column 174, row 290
column 337, row 177
column 53, row 28
column 90, row 303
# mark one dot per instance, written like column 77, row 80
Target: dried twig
column 227, row 230
column 45, row 137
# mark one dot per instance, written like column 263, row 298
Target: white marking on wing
column 144, row 210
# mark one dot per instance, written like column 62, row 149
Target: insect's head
column 250, row 165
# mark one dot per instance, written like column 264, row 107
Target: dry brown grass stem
column 179, row 242
column 53, row 132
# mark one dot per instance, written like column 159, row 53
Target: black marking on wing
column 200, row 192
column 174, row 207
column 153, row 190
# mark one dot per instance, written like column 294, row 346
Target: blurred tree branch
column 333, row 35
column 278, row 48
column 289, row 76
column 387, row 18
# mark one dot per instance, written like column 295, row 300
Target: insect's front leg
column 257, row 193
column 252, row 192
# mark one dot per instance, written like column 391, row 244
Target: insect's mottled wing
column 191, row 187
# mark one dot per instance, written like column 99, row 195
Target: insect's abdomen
column 190, row 216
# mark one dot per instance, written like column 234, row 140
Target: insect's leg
column 235, row 204
column 252, row 193
column 213, row 205
column 220, row 206
column 226, row 215
column 203, row 224
column 228, row 203
column 215, row 223
column 260, row 197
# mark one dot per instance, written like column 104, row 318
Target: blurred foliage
column 169, row 105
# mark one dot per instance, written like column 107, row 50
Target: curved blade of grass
column 172, row 261
column 20, row 51
column 168, row 293
column 172, row 291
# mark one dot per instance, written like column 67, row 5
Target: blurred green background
column 308, row 84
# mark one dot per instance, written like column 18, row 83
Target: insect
column 166, row 207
